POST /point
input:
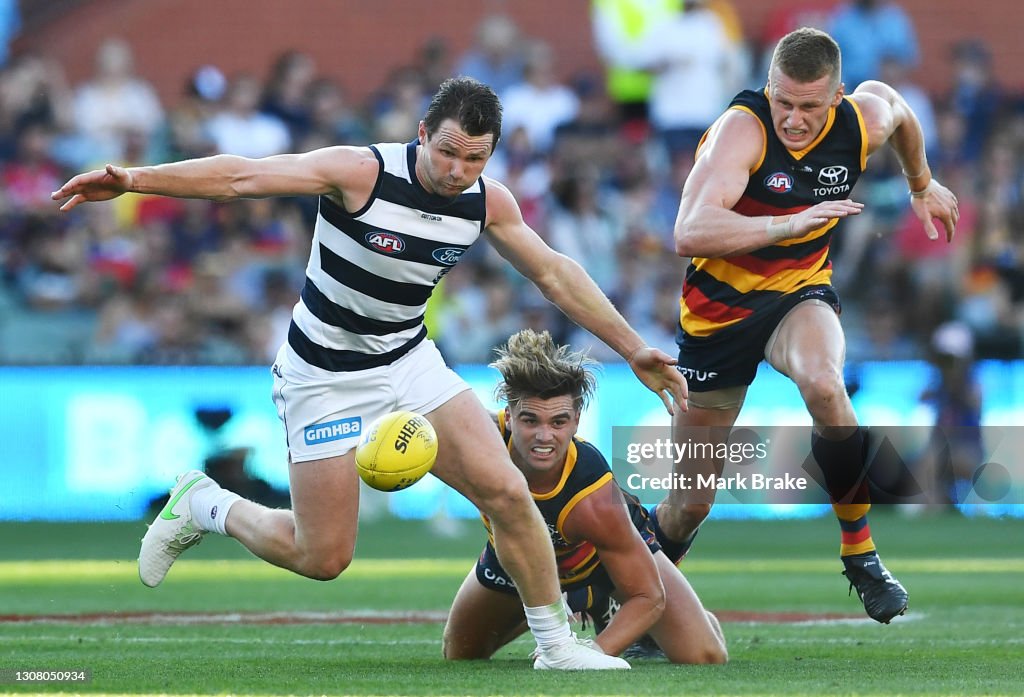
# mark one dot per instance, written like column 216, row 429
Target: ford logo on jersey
column 386, row 242
column 449, row 256
column 780, row 183
column 333, row 430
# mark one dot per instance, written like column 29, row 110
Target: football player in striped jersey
column 393, row 219
column 771, row 181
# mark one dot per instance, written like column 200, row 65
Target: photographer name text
column 735, row 482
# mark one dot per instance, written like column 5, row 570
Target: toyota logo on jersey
column 833, row 176
column 779, row 183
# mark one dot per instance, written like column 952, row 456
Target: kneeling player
column 602, row 537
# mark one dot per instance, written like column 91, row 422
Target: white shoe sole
column 578, row 657
column 172, row 531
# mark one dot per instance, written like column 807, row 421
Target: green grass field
column 964, row 634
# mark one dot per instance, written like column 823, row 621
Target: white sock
column 549, row 624
column 210, row 506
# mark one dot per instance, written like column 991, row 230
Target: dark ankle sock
column 675, row 551
column 842, row 464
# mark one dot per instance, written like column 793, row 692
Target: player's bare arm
column 889, row 119
column 347, row 173
column 707, row 227
column 567, row 285
column 602, row 518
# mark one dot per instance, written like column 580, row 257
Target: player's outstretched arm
column 97, row 185
column 567, row 285
column 602, row 518
column 889, row 119
column 335, row 170
column 706, row 225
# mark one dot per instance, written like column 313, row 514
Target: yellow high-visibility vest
column 634, row 17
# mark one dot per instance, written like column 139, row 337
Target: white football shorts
column 324, row 413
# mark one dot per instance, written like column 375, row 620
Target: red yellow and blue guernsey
column 723, row 292
column 579, row 567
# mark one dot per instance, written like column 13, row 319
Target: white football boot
column 578, row 654
column 173, row 531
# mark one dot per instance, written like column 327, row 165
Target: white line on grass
column 218, row 640
column 835, row 641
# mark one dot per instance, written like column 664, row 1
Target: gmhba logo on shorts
column 333, row 430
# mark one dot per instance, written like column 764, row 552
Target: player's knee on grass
column 701, row 656
column 715, row 651
column 713, row 655
column 709, row 650
column 455, row 648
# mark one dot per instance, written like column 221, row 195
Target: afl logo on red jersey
column 779, row 183
column 385, row 242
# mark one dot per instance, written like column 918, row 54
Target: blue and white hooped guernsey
column 371, row 272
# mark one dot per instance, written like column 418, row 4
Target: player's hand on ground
column 820, row 214
column 97, row 185
column 936, row 202
column 656, row 369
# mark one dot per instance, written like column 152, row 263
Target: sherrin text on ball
column 396, row 451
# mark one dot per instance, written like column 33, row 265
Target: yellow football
column 396, row 451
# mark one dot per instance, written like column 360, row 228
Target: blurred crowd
column 597, row 161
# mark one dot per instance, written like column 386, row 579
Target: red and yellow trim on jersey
column 748, row 273
column 863, row 133
column 579, row 496
column 579, row 561
column 576, row 563
column 764, row 136
column 740, row 282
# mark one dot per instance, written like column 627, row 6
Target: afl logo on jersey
column 385, row 242
column 449, row 256
column 779, row 183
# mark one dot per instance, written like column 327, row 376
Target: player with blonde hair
column 602, row 540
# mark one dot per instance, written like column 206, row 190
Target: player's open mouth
column 542, row 452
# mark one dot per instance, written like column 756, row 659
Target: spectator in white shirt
column 115, row 101
column 540, row 103
column 241, row 129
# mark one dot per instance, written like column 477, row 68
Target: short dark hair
column 807, row 54
column 532, row 365
column 470, row 102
